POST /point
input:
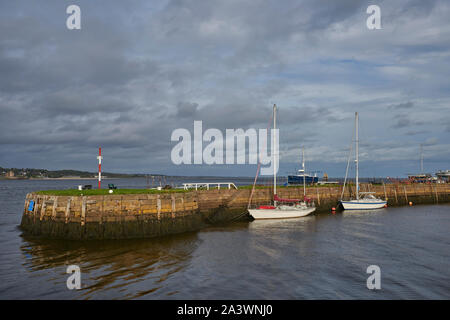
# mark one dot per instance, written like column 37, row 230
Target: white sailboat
column 364, row 200
column 282, row 208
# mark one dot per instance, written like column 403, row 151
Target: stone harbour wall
column 152, row 215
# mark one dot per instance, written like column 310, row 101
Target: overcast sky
column 137, row 70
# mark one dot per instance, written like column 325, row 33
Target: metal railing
column 208, row 185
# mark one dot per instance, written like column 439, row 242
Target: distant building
column 443, row 176
column 10, row 174
column 421, row 178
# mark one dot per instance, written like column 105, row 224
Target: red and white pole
column 99, row 167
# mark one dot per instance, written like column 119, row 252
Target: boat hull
column 363, row 204
column 299, row 179
column 279, row 214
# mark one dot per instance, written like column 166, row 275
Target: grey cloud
column 416, row 132
column 78, row 103
column 138, row 70
column 403, row 121
column 431, row 142
column 186, row 109
column 405, row 105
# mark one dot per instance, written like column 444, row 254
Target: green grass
column 96, row 192
column 296, row 186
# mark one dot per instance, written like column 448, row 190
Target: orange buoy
column 410, row 203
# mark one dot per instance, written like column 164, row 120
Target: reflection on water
column 279, row 231
column 302, row 223
column 359, row 213
column 143, row 265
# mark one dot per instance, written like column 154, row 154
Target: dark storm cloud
column 416, row 132
column 36, row 55
column 405, row 105
column 138, row 70
column 404, row 120
column 73, row 103
column 187, row 109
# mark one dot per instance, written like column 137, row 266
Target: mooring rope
column 348, row 164
column 258, row 168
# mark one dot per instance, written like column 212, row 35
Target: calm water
column 317, row 257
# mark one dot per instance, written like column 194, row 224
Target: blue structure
column 298, row 179
column 302, row 177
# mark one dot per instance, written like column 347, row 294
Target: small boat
column 284, row 209
column 421, row 177
column 281, row 208
column 302, row 177
column 443, row 176
column 364, row 200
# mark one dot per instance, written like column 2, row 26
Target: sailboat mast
column 303, row 167
column 274, row 151
column 421, row 158
column 357, row 156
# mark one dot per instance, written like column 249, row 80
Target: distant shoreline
column 71, row 178
column 62, row 178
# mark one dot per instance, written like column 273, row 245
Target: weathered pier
column 150, row 215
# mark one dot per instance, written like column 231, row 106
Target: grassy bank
column 96, row 192
column 292, row 186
